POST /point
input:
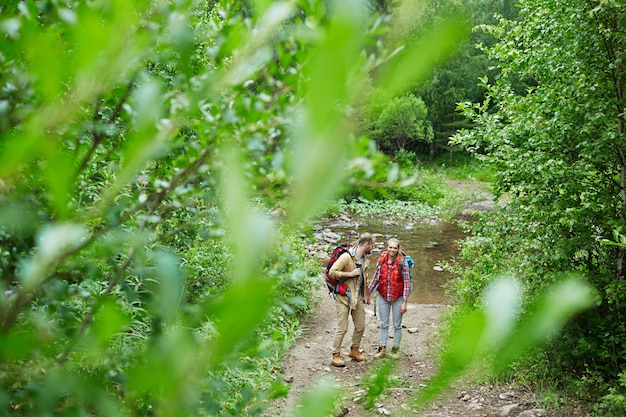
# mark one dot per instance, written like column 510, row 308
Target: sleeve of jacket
column 343, row 264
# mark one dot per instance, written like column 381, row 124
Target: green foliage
column 418, row 185
column 427, row 193
column 454, row 81
column 450, row 81
column 393, row 209
column 399, row 116
column 402, row 123
column 299, row 274
column 142, row 146
column 319, row 401
column 207, row 265
column 501, row 328
column 465, row 167
column 425, row 188
column 377, row 380
column 405, row 159
column 613, row 403
column 552, row 128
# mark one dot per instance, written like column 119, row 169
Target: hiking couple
column 391, row 280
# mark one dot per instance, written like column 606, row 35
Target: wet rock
column 332, row 237
column 342, row 224
column 507, row 395
column 474, row 405
column 278, row 212
column 342, row 411
column 387, row 223
column 383, row 411
column 535, row 412
column 507, row 410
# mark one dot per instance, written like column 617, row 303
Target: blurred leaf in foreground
column 501, row 331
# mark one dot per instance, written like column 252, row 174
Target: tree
column 452, row 78
column 402, row 124
column 558, row 147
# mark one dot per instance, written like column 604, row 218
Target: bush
column 207, row 264
column 427, row 188
column 613, row 404
column 405, row 159
column 461, row 166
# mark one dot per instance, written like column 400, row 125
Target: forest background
column 161, row 161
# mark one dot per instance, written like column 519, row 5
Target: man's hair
column 365, row 238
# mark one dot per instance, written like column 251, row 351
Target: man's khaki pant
column 358, row 318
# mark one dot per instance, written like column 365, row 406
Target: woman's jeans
column 384, row 308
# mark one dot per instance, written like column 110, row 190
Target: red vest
column 387, row 275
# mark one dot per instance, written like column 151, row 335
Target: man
column 351, row 268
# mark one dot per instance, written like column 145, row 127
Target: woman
column 393, row 283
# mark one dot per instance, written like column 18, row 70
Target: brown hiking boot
column 356, row 354
column 395, row 352
column 382, row 350
column 337, row 361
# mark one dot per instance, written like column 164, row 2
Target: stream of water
column 428, row 245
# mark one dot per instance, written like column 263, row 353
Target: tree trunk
column 617, row 73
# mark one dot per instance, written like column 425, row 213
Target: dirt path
column 309, row 360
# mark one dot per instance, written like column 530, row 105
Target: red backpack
column 336, row 286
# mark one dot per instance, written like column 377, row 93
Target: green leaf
column 109, row 321
column 461, row 349
column 495, row 335
column 169, row 366
column 45, row 54
column 147, row 106
column 318, row 401
column 167, row 292
column 321, row 136
column 250, row 232
column 545, row 320
column 414, row 62
column 16, row 344
column 59, row 170
column 376, row 381
column 53, row 242
column 237, row 313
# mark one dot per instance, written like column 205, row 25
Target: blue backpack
column 408, row 261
